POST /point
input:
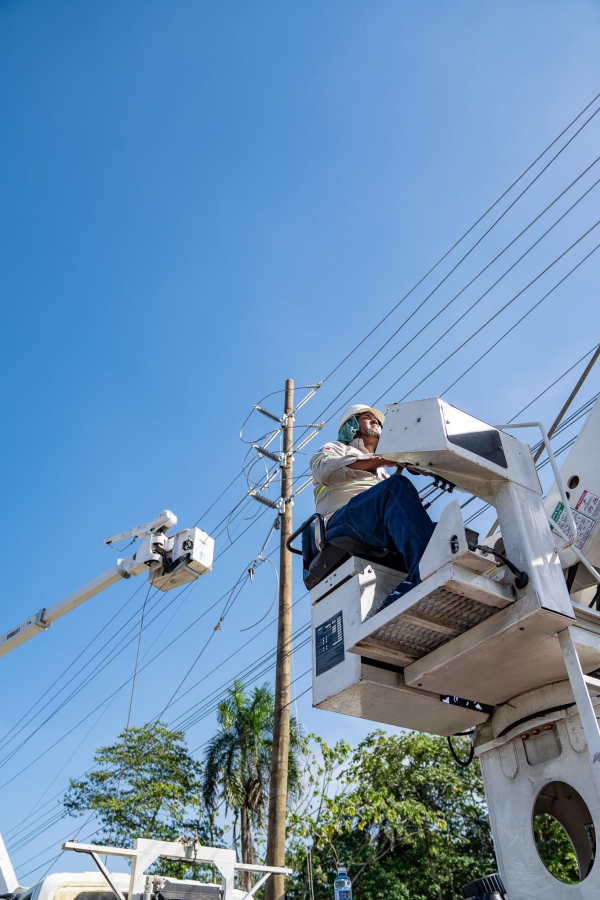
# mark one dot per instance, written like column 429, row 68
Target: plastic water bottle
column 342, row 886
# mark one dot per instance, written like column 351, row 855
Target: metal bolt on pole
column 274, row 889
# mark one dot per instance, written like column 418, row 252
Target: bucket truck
column 514, row 659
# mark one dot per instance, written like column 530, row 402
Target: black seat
column 321, row 555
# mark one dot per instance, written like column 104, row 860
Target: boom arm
column 170, row 561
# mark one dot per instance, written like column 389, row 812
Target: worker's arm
column 335, row 463
column 371, row 463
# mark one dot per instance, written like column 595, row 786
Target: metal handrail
column 298, row 531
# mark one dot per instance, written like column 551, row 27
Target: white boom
column 8, row 879
column 171, row 561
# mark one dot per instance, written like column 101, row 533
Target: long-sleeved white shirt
column 334, row 483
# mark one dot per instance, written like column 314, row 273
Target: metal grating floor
column 448, row 608
column 454, row 609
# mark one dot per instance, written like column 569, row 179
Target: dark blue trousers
column 388, row 513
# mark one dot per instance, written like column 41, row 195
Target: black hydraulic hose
column 461, row 762
column 521, row 578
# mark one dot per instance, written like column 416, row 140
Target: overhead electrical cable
column 55, row 859
column 107, row 698
column 129, row 711
column 503, row 308
column 464, row 314
column 160, row 652
column 183, row 720
column 511, row 329
column 560, row 377
column 554, row 142
column 474, row 225
column 265, row 721
column 234, row 594
column 261, row 659
column 260, row 673
column 99, row 667
column 230, row 656
column 499, row 312
column 102, row 664
column 571, row 420
column 468, row 284
column 11, row 732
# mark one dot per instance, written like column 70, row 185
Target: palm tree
column 237, row 763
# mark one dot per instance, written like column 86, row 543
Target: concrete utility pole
column 274, row 889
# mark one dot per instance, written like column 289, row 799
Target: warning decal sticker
column 585, row 514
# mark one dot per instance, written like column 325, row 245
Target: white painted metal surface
column 437, row 437
column 572, row 527
column 163, row 522
column 8, row 879
column 371, row 685
column 535, row 657
column 530, row 745
column 513, row 783
column 449, row 603
column 580, row 685
column 424, row 434
column 144, row 854
column 59, row 885
column 448, row 543
column 62, row 885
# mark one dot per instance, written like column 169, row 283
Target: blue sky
column 202, row 199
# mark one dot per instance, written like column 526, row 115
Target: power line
column 187, row 718
column 560, row 377
column 475, row 303
column 218, row 691
column 515, row 325
column 110, row 696
column 472, row 227
column 571, row 420
column 235, row 652
column 504, row 307
column 445, row 255
column 100, row 665
column 161, row 651
column 11, row 733
column 466, row 286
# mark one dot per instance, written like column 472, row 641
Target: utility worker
column 358, row 498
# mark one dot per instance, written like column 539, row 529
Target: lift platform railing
column 145, row 852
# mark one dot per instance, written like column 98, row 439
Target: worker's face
column 369, row 425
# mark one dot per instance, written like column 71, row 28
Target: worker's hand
column 372, row 463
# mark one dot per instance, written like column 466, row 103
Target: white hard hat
column 356, row 410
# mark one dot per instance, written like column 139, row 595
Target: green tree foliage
column 396, row 810
column 145, row 785
column 399, row 813
column 238, row 763
column 555, row 849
